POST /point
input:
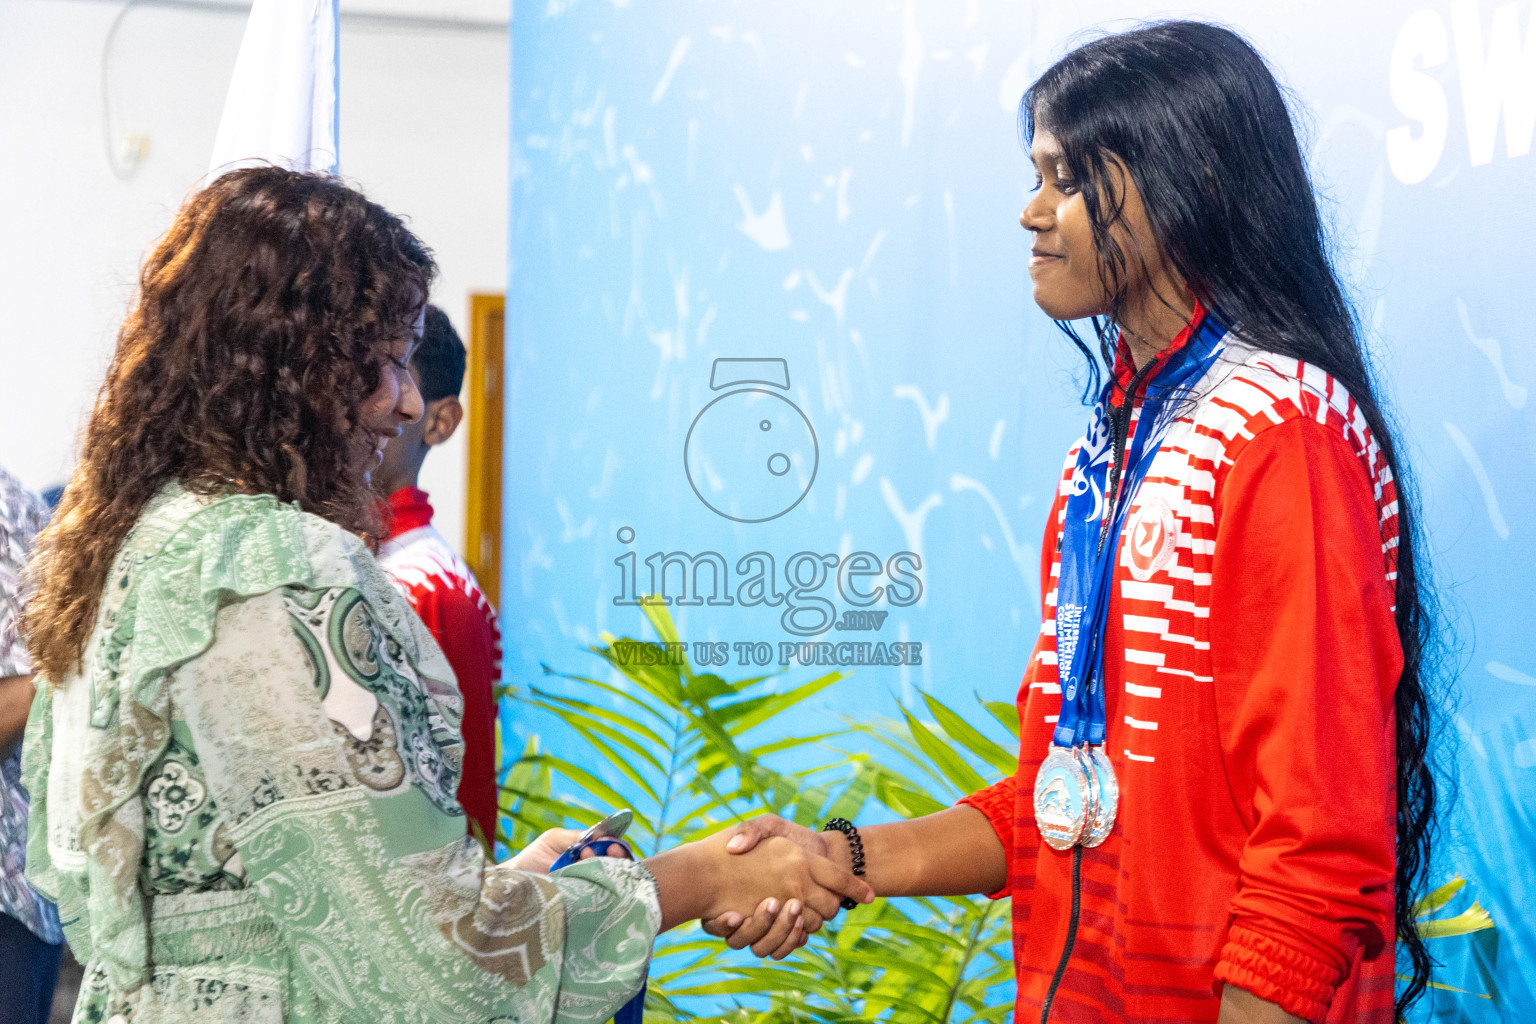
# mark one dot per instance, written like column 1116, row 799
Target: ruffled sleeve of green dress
column 315, row 733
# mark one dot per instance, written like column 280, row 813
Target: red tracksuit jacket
column 1250, row 662
column 449, row 601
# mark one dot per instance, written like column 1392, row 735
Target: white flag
column 283, row 98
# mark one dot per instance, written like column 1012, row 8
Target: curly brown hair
column 258, row 333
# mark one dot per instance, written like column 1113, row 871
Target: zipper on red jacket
column 1122, row 429
column 1066, row 951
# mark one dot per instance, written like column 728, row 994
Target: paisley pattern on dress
column 173, row 795
column 176, row 996
column 505, row 933
column 355, row 636
column 375, row 761
column 186, row 841
column 233, row 809
column 367, row 684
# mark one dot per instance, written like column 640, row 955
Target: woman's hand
column 538, row 855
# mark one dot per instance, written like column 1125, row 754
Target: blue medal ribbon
column 1087, row 567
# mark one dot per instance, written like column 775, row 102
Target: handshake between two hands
column 766, row 883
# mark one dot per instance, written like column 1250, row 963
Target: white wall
column 423, row 131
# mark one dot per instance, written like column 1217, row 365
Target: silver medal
column 1091, row 804
column 1101, row 821
column 1061, row 798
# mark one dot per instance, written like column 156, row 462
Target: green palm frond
column 1473, row 919
column 678, row 747
column 1433, row 901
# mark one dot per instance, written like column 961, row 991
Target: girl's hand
column 545, row 850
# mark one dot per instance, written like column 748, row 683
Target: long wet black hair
column 1195, row 115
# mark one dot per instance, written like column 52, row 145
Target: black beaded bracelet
column 855, row 847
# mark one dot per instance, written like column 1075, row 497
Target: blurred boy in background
column 432, row 577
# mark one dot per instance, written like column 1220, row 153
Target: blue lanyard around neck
column 1087, row 565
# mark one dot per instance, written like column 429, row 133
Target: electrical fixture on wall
column 132, row 150
column 127, row 151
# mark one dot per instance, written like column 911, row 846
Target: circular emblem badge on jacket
column 1151, row 537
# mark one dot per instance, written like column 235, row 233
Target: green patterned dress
column 244, row 804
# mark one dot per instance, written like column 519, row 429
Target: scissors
column 612, row 827
column 599, row 837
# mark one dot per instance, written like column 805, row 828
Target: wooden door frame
column 482, row 505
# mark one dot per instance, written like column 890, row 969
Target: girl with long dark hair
column 1223, row 805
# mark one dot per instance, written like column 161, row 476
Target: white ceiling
column 476, row 13
column 462, row 10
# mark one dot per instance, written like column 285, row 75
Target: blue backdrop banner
column 771, row 351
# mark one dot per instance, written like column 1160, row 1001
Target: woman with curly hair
column 244, row 749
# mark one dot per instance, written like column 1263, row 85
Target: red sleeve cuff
column 1294, row 980
column 999, row 804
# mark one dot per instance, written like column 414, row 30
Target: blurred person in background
column 30, row 936
column 440, row 587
